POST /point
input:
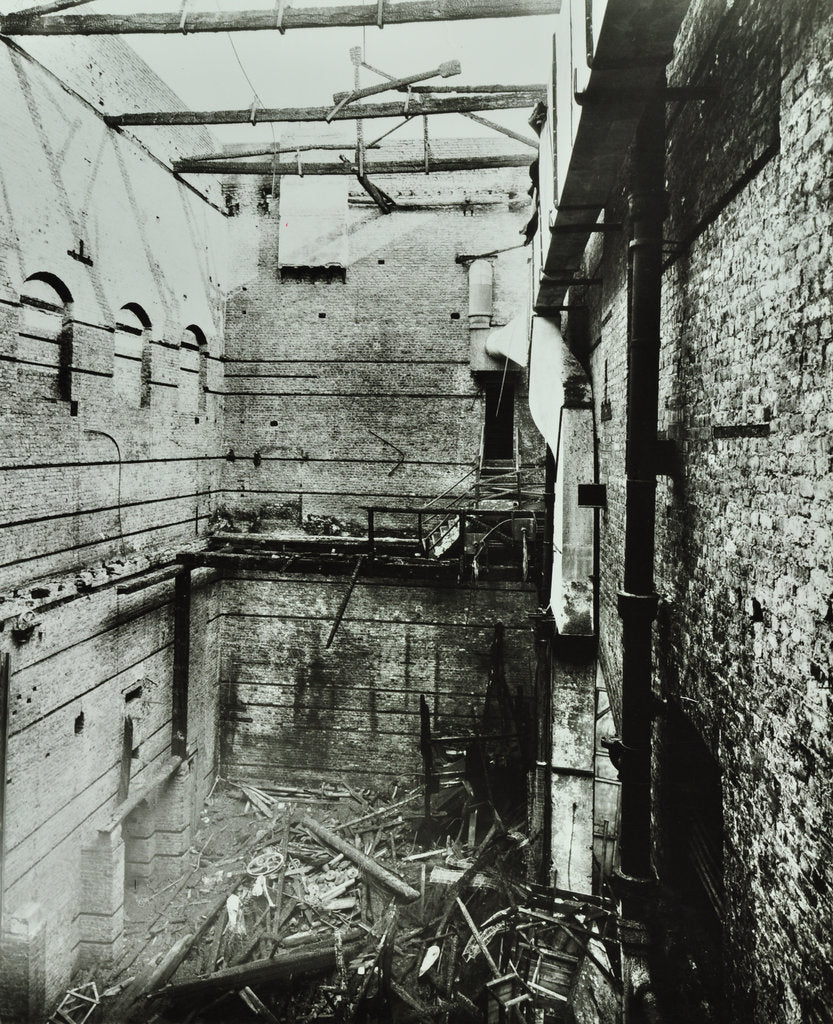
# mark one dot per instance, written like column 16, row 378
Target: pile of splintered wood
column 338, row 918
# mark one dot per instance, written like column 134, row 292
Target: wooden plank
column 405, row 12
column 5, row 676
column 418, row 105
column 478, row 938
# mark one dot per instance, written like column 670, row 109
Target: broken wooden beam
column 291, row 964
column 342, row 608
column 478, row 938
column 404, row 12
column 417, row 105
column 370, row 866
column 257, row 1006
column 343, row 99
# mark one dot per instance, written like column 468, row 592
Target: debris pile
column 333, row 914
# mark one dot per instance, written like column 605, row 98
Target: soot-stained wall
column 293, row 709
column 743, row 635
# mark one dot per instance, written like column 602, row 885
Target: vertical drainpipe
column 637, row 601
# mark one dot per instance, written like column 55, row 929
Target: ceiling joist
column 268, row 168
column 413, row 105
column 348, row 15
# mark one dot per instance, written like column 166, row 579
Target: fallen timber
column 311, row 960
column 366, row 863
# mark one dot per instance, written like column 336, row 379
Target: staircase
column 494, row 525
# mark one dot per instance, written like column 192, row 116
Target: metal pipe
column 637, row 600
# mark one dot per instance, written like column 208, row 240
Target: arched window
column 193, row 351
column 131, row 364
column 45, row 334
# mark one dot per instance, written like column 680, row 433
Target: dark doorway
column 499, row 432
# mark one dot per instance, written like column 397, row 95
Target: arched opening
column 193, row 352
column 45, row 334
column 131, row 364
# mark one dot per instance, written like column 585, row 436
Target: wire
column 254, row 93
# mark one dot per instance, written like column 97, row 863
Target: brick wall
column 743, row 637
column 96, row 491
column 86, row 475
column 70, row 689
column 356, row 390
column 294, row 709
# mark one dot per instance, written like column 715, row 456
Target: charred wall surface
column 743, row 635
column 293, row 708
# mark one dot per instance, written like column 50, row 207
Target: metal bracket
column 380, row 13
column 279, row 7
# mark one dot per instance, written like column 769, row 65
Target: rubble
column 332, row 914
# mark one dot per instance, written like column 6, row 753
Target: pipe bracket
column 637, row 606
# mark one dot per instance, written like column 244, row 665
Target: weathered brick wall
column 72, row 496
column 317, row 367
column 70, row 689
column 744, row 539
column 294, row 709
column 86, row 479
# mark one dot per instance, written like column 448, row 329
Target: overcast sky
column 305, row 67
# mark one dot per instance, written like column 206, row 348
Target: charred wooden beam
column 282, row 966
column 405, row 12
column 367, row 864
column 345, row 600
column 238, row 154
column 270, row 115
column 463, row 89
column 475, row 163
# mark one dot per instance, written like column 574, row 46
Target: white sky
column 305, row 67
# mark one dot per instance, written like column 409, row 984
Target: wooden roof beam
column 347, row 15
column 474, row 163
column 415, row 105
